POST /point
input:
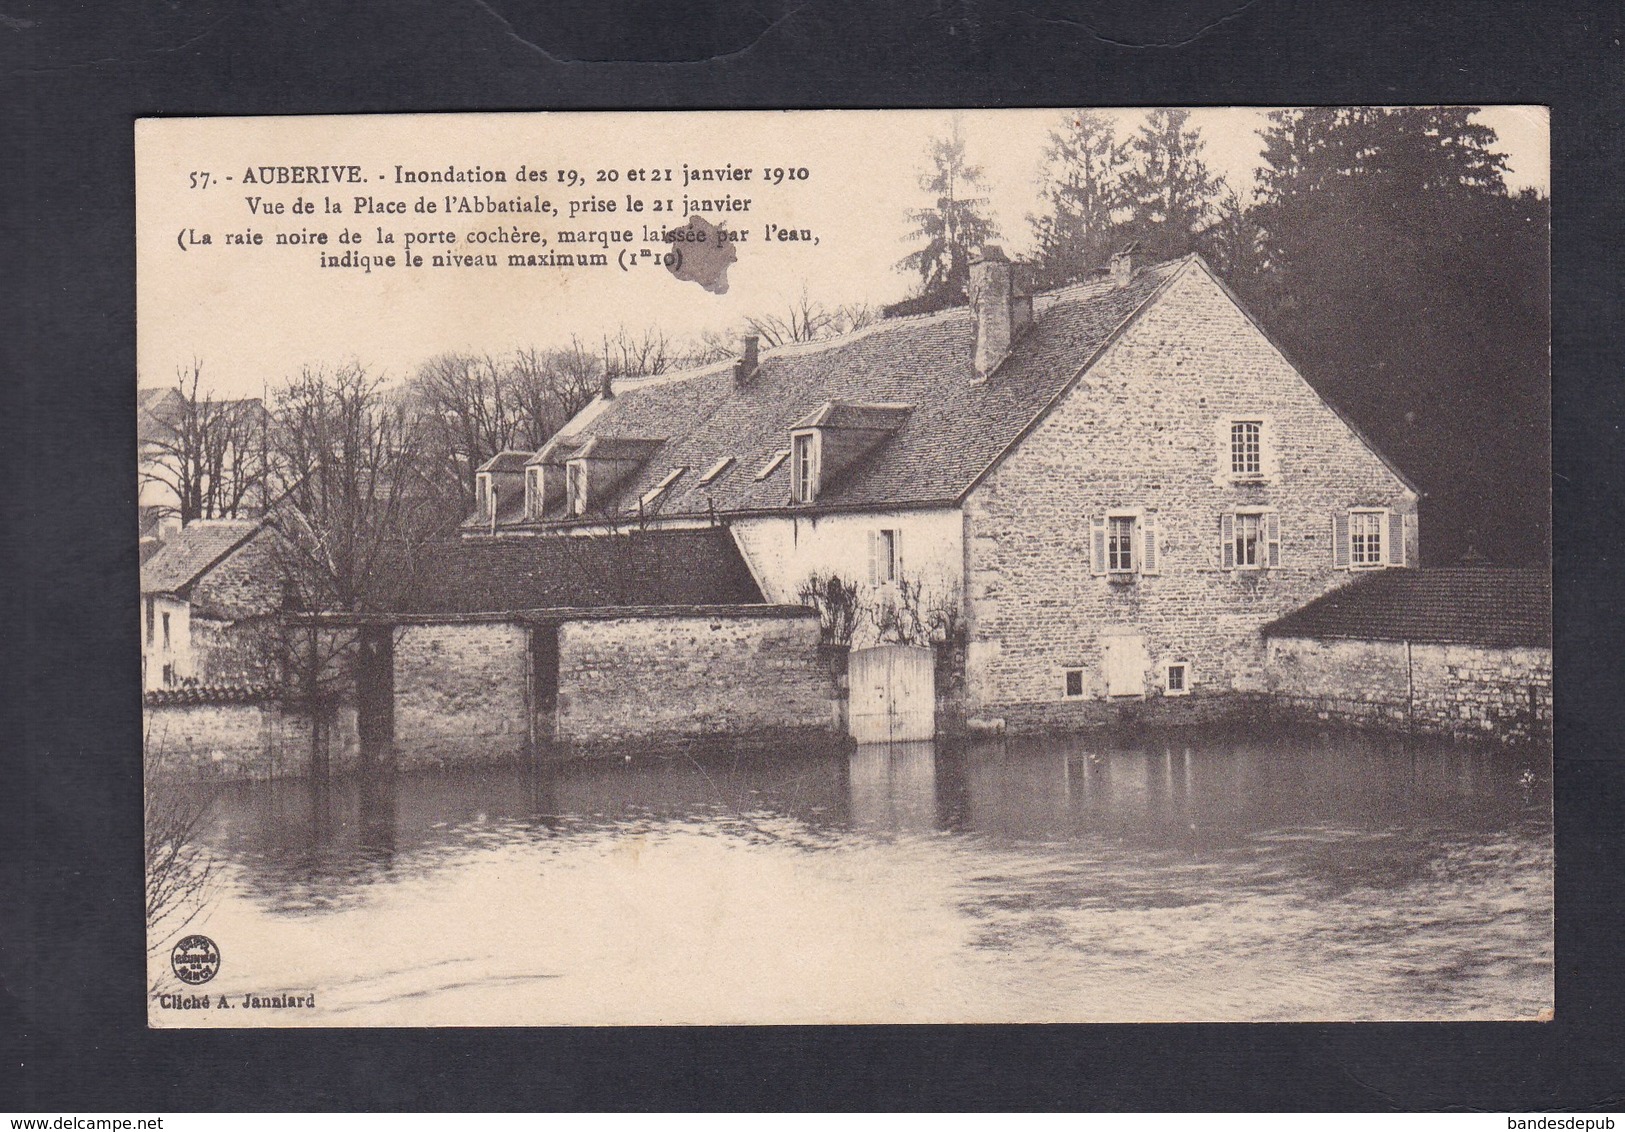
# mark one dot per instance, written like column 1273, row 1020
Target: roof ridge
column 1105, row 285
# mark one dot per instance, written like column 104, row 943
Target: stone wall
column 461, row 693
column 241, row 740
column 234, row 652
column 246, row 583
column 1140, row 431
column 677, row 679
column 1458, row 690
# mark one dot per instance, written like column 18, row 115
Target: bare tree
column 636, row 355
column 355, row 489
column 917, row 615
column 211, row 458
column 180, row 871
column 836, row 601
column 357, row 508
column 548, row 387
column 804, row 319
column 464, row 405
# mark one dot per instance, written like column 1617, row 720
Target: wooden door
column 893, row 691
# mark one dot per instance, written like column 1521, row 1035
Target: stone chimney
column 1124, row 264
column 746, row 365
column 1001, row 305
column 990, row 307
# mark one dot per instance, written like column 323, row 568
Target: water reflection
column 1289, row 875
column 893, row 786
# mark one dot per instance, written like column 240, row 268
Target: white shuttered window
column 1250, row 540
column 1124, row 544
column 1368, row 538
column 885, row 559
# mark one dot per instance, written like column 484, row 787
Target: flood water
column 1307, row 876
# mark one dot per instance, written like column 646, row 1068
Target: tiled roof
column 509, row 461
column 555, row 451
column 640, row 568
column 156, row 409
column 184, row 557
column 1480, row 606
column 846, row 414
column 956, row 428
column 620, row 448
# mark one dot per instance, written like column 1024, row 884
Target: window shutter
column 1150, row 552
column 1340, row 541
column 1273, row 520
column 1097, row 560
column 1396, row 538
column 897, row 552
column 1221, row 439
column 874, row 558
column 1227, row 541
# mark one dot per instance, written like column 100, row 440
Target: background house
column 1108, row 490
column 197, row 458
column 156, row 411
column 206, row 594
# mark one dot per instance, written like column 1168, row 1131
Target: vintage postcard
column 1044, row 565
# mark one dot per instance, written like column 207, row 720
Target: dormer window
column 650, row 497
column 575, row 487
column 772, row 464
column 804, row 467
column 717, row 469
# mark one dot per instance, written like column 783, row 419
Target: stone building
column 205, row 596
column 567, row 646
column 1104, row 492
column 1460, row 651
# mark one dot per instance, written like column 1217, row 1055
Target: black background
column 74, row 76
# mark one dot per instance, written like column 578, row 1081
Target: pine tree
column 1413, row 291
column 1084, row 165
column 1171, row 194
column 955, row 226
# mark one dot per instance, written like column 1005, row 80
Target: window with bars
column 1246, row 448
column 804, row 467
column 1249, row 533
column 1365, row 538
column 1120, row 544
column 1123, row 544
column 1176, row 679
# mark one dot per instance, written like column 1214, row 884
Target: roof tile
column 183, row 558
column 957, row 427
column 639, row 568
column 1466, row 605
